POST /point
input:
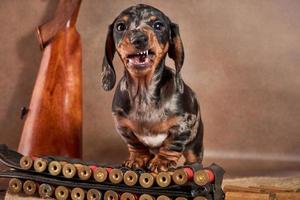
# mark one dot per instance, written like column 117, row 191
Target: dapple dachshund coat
column 155, row 112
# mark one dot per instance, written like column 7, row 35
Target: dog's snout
column 139, row 40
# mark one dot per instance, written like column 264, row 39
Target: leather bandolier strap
column 65, row 178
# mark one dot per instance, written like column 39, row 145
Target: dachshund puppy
column 155, row 112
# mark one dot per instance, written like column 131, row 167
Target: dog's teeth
column 143, row 53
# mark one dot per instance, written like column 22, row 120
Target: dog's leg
column 194, row 150
column 170, row 152
column 139, row 155
column 164, row 160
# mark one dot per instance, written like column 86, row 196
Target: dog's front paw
column 137, row 161
column 159, row 164
column 164, row 160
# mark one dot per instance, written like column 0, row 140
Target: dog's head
column 142, row 36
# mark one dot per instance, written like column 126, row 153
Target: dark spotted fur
column 155, row 112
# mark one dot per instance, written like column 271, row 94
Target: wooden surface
column 9, row 196
column 54, row 119
column 291, row 182
column 262, row 188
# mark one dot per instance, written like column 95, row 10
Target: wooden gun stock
column 53, row 125
column 65, row 15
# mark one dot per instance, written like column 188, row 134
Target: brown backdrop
column 242, row 60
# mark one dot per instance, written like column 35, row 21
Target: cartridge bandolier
column 75, row 179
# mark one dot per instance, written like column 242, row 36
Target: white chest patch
column 153, row 140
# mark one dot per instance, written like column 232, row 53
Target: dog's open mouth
column 141, row 59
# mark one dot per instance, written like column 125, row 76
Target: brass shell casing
column 200, row 198
column 40, row 165
column 15, row 185
column 77, row 194
column 94, row 194
column 69, row 170
column 84, row 172
column 116, row 176
column 163, row 197
column 131, row 178
column 100, row 174
column 61, row 193
column 128, row 196
column 181, row 198
column 111, row 195
column 146, row 197
column 26, row 162
column 163, row 179
column 146, row 180
column 46, row 191
column 54, row 168
column 201, row 177
column 180, row 177
column 29, row 187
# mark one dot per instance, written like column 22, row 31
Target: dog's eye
column 121, row 27
column 158, row 26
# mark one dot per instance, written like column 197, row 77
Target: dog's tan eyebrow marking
column 153, row 17
column 125, row 18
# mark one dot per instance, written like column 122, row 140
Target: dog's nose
column 139, row 40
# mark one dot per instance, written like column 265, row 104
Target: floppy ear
column 108, row 74
column 176, row 52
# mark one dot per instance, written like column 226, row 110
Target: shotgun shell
column 163, row 179
column 54, row 168
column 15, row 185
column 46, row 191
column 77, row 194
column 202, row 177
column 181, row 198
column 130, row 178
column 29, row 187
column 93, row 167
column 146, row 197
column 40, row 165
column 100, row 174
column 128, row 196
column 182, row 176
column 200, row 198
column 111, row 195
column 163, row 197
column 94, row 194
column 61, row 193
column 26, row 162
column 116, row 176
column 146, row 180
column 69, row 170
column 84, row 172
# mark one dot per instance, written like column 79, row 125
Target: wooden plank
column 274, row 189
column 246, row 196
column 288, row 196
column 20, row 196
column 234, row 188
